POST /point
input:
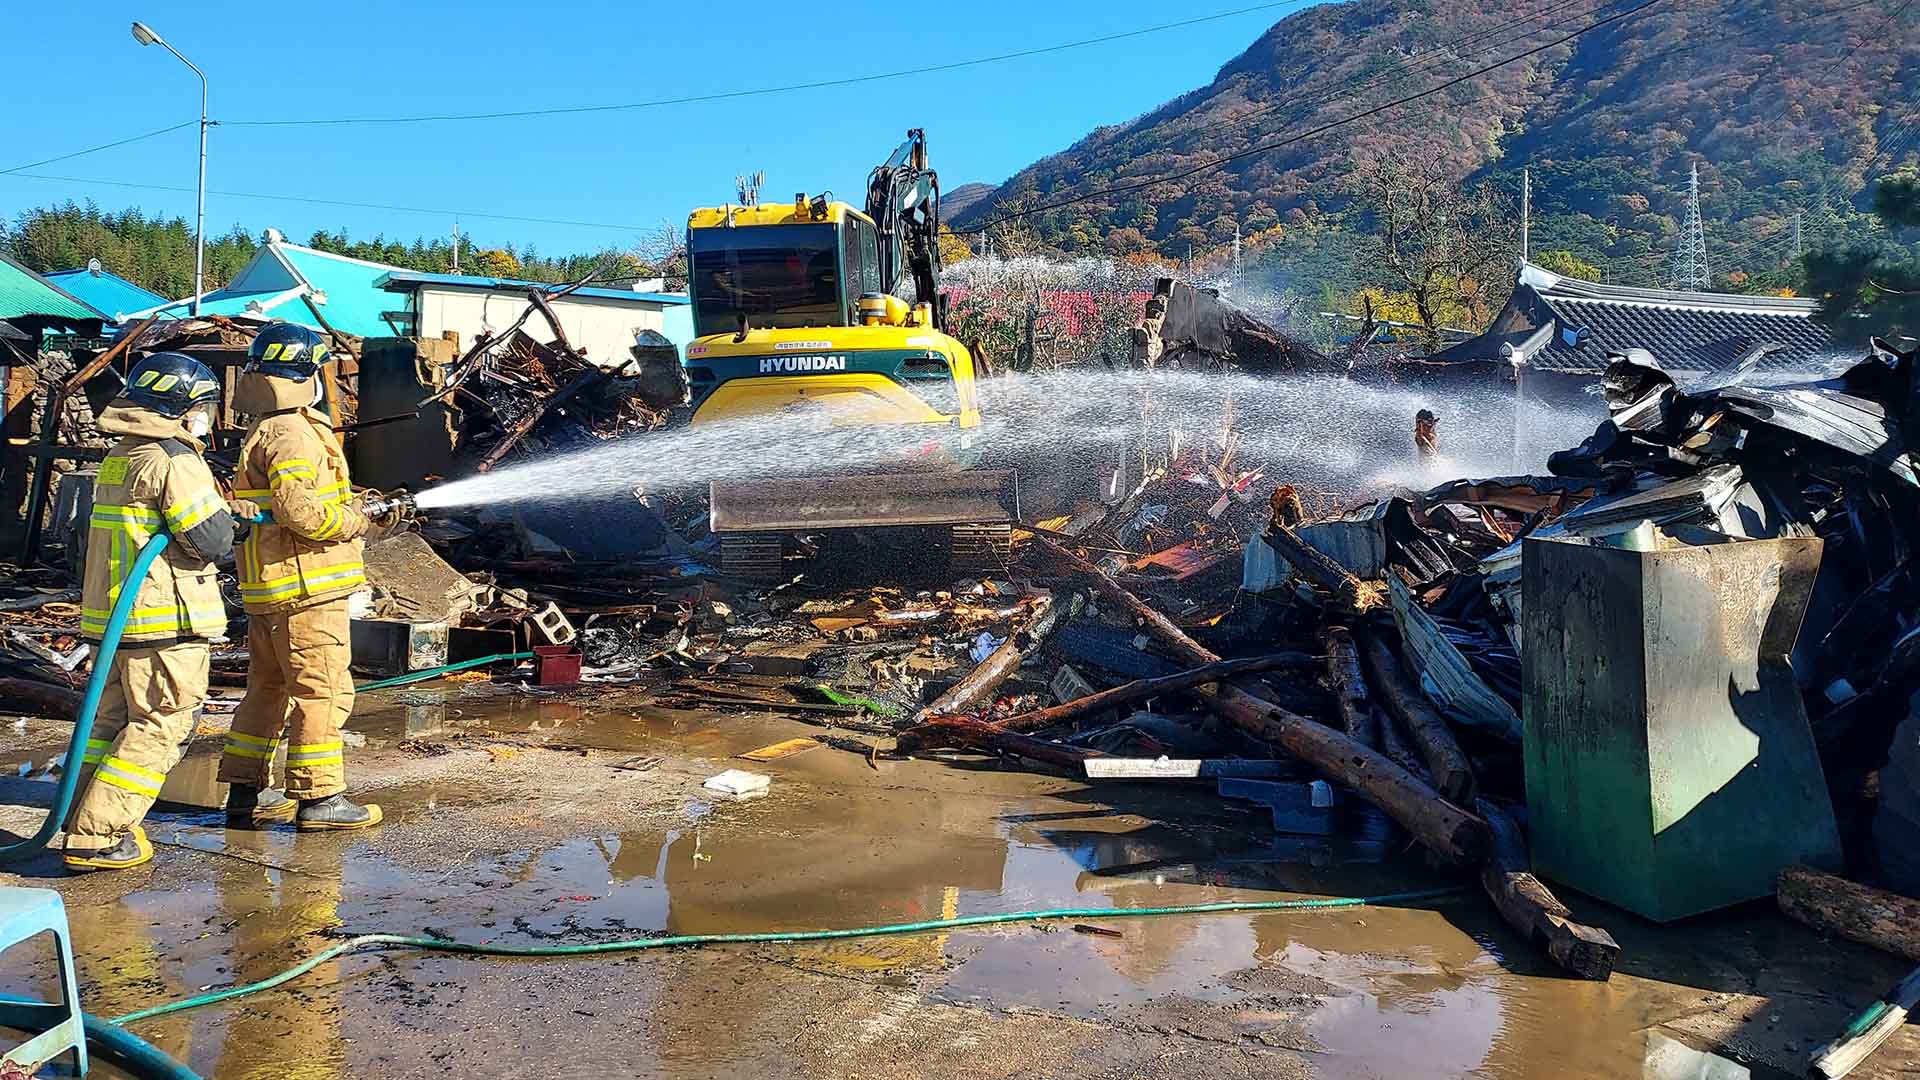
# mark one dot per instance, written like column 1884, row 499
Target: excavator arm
column 903, row 199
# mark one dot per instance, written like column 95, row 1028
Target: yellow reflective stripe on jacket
column 186, row 515
column 282, row 588
column 290, row 468
column 152, row 619
column 330, row 522
column 339, row 494
column 96, row 749
column 109, row 514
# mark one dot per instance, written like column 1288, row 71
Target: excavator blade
column 851, row 502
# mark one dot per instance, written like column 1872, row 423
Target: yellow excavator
column 823, row 310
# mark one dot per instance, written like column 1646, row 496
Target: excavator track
column 982, row 549
column 754, row 556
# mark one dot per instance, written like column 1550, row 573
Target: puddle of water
column 1360, row 992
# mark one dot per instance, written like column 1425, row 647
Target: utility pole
column 456, row 245
column 1690, row 258
column 1526, row 214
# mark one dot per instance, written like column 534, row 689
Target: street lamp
column 144, row 34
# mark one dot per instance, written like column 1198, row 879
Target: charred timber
column 1446, row 829
column 980, row 683
column 1348, row 685
column 1141, row 689
column 30, row 698
column 966, row 733
column 1403, row 700
column 1833, row 905
column 1531, row 908
column 1349, row 592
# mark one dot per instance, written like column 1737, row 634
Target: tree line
column 156, row 252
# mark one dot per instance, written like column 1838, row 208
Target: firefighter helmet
column 171, row 384
column 287, row 351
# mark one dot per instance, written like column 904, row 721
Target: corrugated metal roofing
column 1685, row 331
column 24, row 293
column 105, row 291
column 403, row 280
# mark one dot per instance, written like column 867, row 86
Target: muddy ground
column 509, row 820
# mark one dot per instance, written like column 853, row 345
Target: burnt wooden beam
column 1403, row 700
column 1446, row 829
column 1141, row 689
column 1834, row 905
column 1531, row 908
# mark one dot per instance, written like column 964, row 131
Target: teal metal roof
column 24, row 293
column 345, row 291
column 105, row 291
column 354, row 300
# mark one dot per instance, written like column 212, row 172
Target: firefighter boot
column 335, row 812
column 132, row 850
column 247, row 805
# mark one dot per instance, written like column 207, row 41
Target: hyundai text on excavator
column 820, row 310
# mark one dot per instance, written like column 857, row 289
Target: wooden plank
column 783, row 749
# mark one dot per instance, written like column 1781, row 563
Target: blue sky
column 626, row 169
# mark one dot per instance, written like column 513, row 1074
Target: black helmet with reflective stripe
column 287, row 351
column 170, row 384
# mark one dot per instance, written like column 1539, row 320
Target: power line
column 437, row 211
column 1311, row 132
column 724, row 95
column 97, row 149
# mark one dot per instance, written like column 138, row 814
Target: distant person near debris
column 1426, row 435
column 296, row 572
column 152, row 480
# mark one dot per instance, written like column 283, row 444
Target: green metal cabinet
column 1670, row 769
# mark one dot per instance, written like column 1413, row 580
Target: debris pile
column 524, row 397
column 1723, row 576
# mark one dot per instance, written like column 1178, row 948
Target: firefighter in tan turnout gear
column 152, row 480
column 296, row 571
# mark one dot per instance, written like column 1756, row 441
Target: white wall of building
column 604, row 328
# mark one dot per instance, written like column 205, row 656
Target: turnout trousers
column 299, row 692
column 145, row 716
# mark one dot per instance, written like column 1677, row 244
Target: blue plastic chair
column 25, row 913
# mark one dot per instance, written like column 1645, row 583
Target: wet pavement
column 509, row 822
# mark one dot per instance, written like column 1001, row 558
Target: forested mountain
column 1787, row 106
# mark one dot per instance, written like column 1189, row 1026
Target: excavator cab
column 821, row 310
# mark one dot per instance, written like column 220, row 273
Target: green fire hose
column 83, row 723
column 435, row 944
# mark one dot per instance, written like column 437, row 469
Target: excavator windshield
column 775, row 275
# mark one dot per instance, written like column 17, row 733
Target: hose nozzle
column 388, row 511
